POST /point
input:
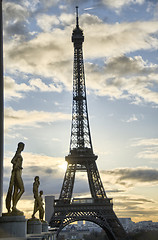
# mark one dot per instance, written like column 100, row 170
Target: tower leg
column 68, row 183
column 95, row 183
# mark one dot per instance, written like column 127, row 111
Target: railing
column 91, row 200
column 84, row 201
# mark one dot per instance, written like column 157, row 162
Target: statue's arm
column 17, row 163
column 13, row 161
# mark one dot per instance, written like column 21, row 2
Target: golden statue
column 16, row 186
column 41, row 209
column 38, row 203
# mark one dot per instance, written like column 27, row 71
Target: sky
column 121, row 70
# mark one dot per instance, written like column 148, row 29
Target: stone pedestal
column 12, row 226
column 44, row 226
column 34, row 226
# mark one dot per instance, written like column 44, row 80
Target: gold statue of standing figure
column 38, row 203
column 16, row 186
column 41, row 210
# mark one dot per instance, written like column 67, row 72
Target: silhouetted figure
column 16, row 182
column 41, row 208
column 38, row 203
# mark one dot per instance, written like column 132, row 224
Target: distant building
column 131, row 226
column 72, row 231
column 93, row 227
column 125, row 221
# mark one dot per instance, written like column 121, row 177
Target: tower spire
column 77, row 22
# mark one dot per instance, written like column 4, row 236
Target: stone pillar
column 34, row 226
column 49, row 207
column 1, row 108
column 44, row 226
column 12, row 226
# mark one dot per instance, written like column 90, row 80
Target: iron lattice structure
column 99, row 208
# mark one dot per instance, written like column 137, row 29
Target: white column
column 1, row 108
column 49, row 207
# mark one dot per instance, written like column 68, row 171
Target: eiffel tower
column 98, row 208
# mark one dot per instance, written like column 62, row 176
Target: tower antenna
column 77, row 23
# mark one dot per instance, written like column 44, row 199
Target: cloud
column 49, row 3
column 145, row 142
column 121, row 77
column 15, row 21
column 153, row 7
column 18, row 90
column 129, row 37
column 46, row 22
column 136, row 207
column 118, row 4
column 115, row 4
column 114, row 191
column 123, row 65
column 15, row 11
column 45, row 55
column 12, row 89
column 38, row 84
column 149, row 153
column 90, row 19
column 132, row 176
column 105, row 40
column 133, row 118
column 31, row 118
column 149, row 148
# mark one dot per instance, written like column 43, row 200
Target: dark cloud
column 15, row 20
column 28, row 52
column 152, row 1
column 75, row 2
column 41, row 170
column 132, row 200
column 124, row 65
column 114, row 191
column 15, row 12
column 51, row 179
column 13, row 1
column 134, row 207
column 142, row 200
column 138, row 175
column 17, row 28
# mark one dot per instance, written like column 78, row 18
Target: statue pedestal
column 12, row 226
column 34, row 226
column 44, row 226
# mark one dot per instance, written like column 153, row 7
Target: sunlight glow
column 63, row 166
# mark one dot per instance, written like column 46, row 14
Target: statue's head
column 36, row 178
column 21, row 146
column 41, row 192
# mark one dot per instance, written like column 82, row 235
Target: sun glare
column 63, row 166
